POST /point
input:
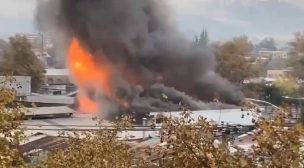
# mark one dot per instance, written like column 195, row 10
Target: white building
column 22, row 84
column 57, row 76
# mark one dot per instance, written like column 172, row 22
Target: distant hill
column 256, row 18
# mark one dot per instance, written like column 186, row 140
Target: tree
column 267, row 43
column 278, row 146
column 254, row 90
column 288, row 86
column 297, row 44
column 231, row 61
column 11, row 130
column 187, row 144
column 297, row 55
column 3, row 47
column 193, row 144
column 96, row 149
column 203, row 39
column 19, row 59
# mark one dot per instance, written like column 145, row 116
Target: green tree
column 288, row 86
column 202, row 39
column 19, row 59
column 231, row 59
column 11, row 130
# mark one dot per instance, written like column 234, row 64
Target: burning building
column 130, row 55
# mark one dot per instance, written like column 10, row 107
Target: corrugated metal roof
column 57, row 72
column 56, row 99
column 39, row 111
column 227, row 116
column 45, row 143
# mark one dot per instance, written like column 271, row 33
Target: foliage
column 273, row 95
column 96, row 149
column 3, row 46
column 259, row 69
column 203, row 39
column 10, row 129
column 298, row 44
column 300, row 91
column 186, row 143
column 277, row 63
column 193, row 144
column 297, row 55
column 254, row 90
column 267, row 43
column 298, row 66
column 287, row 85
column 21, row 60
column 278, row 146
column 302, row 117
column 231, row 61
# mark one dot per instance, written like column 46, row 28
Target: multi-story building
column 40, row 43
column 273, row 54
column 38, row 40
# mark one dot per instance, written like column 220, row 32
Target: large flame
column 88, row 75
column 86, row 105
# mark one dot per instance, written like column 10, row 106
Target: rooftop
column 57, row 72
column 225, row 116
column 47, row 111
column 55, row 99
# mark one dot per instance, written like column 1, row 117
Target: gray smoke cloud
column 142, row 41
column 152, row 99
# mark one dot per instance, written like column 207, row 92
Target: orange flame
column 88, row 75
column 86, row 105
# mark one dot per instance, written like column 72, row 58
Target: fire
column 88, row 75
column 125, row 104
column 86, row 104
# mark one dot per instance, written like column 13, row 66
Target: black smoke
column 142, row 41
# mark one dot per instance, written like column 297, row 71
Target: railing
column 262, row 101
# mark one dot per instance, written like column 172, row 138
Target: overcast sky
column 222, row 18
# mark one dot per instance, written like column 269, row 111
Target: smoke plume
column 142, row 42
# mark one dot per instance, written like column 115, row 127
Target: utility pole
column 144, row 123
column 301, row 112
column 42, row 46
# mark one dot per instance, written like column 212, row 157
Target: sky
column 223, row 19
column 16, row 16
